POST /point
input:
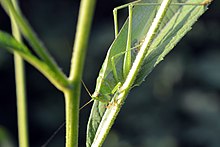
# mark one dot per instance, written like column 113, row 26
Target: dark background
column 177, row 106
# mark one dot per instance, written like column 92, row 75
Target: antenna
column 63, row 124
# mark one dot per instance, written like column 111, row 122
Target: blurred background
column 177, row 106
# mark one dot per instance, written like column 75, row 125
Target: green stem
column 21, row 101
column 72, row 95
column 20, row 88
column 72, row 117
column 81, row 38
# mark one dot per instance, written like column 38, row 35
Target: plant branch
column 72, row 97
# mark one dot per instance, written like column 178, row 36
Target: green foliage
column 46, row 64
column 8, row 42
column 176, row 23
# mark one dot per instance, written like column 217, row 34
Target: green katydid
column 158, row 34
column 110, row 65
column 118, row 62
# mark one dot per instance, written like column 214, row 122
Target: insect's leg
column 127, row 57
column 113, row 58
column 114, row 70
column 204, row 3
column 114, row 102
column 116, row 87
column 115, row 13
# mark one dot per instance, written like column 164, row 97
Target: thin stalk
column 20, row 88
column 72, row 96
column 72, row 117
column 21, row 101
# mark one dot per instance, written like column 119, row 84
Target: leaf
column 26, row 30
column 168, row 37
column 12, row 45
column 7, row 41
column 174, row 26
column 28, row 33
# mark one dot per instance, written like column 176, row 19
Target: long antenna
column 87, row 90
column 53, row 135
column 63, row 124
column 85, row 104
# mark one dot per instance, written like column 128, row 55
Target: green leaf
column 26, row 30
column 7, row 41
column 169, row 36
column 28, row 33
column 12, row 45
column 176, row 23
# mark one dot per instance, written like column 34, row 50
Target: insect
column 126, row 47
column 118, row 61
column 123, row 74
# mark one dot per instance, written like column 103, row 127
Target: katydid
column 159, row 38
column 118, row 62
column 127, row 59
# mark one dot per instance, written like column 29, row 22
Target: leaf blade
column 162, row 45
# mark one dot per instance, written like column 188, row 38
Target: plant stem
column 72, row 95
column 20, row 88
column 21, row 101
column 81, row 38
column 72, row 118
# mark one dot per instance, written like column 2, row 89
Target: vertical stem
column 20, row 88
column 81, row 38
column 72, row 117
column 72, row 95
column 21, row 101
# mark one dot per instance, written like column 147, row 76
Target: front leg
column 115, row 101
column 115, row 15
